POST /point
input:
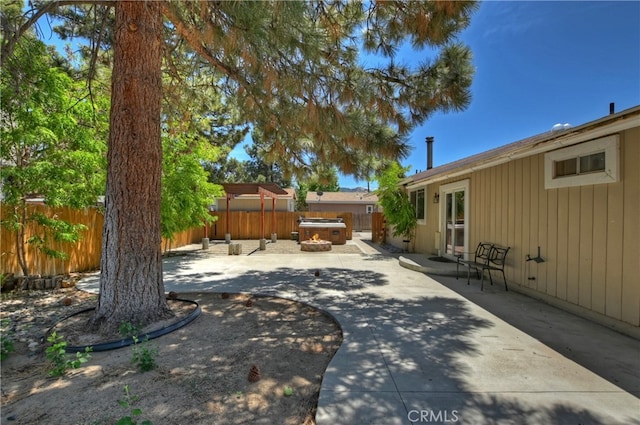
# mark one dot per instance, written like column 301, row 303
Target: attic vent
column 559, row 127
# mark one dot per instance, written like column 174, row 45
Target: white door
column 454, row 222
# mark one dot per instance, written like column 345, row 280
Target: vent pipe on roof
column 612, row 108
column 429, row 141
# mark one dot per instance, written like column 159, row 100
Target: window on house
column 567, row 167
column 592, row 162
column 369, row 209
column 580, row 165
column 417, row 200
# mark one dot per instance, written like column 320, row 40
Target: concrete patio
column 419, row 349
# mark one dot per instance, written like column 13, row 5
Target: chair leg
column 505, row 281
column 490, row 279
column 482, row 280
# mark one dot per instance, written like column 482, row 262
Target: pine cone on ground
column 249, row 303
column 254, row 374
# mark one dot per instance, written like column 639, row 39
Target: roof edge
column 533, row 145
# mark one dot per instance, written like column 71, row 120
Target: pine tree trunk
column 131, row 287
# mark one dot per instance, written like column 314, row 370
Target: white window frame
column 369, row 209
column 610, row 145
column 424, row 203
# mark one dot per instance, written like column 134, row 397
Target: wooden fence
column 362, row 221
column 85, row 255
column 81, row 256
column 248, row 224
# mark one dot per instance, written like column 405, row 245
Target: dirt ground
column 202, row 369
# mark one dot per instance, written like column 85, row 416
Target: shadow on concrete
column 399, row 356
column 611, row 355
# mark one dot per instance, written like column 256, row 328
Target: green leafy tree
column 199, row 126
column 301, row 196
column 52, row 143
column 186, row 191
column 322, row 179
column 293, row 70
column 395, row 202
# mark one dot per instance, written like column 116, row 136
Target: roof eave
column 534, row 145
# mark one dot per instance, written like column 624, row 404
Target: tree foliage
column 228, row 170
column 319, row 79
column 323, row 178
column 396, row 205
column 261, row 169
column 186, row 191
column 52, row 143
column 294, row 70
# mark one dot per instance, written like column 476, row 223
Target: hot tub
column 327, row 229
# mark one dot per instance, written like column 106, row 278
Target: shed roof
column 268, row 189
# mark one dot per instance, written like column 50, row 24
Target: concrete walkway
column 417, row 351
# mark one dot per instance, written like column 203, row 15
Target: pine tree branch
column 9, row 43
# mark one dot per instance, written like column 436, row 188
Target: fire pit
column 315, row 244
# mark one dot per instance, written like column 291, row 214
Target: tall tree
column 131, row 286
column 229, row 170
column 321, row 178
column 260, row 169
column 294, row 70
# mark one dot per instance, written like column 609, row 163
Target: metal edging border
column 112, row 345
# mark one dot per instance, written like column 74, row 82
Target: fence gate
column 361, row 222
column 378, row 228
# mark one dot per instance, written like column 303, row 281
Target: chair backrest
column 483, row 252
column 498, row 255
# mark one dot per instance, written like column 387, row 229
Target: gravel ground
column 282, row 246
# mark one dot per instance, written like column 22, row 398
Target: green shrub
column 6, row 340
column 144, row 356
column 57, row 354
column 128, row 402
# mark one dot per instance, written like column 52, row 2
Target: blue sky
column 537, row 64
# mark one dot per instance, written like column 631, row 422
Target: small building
column 569, row 198
column 353, row 202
